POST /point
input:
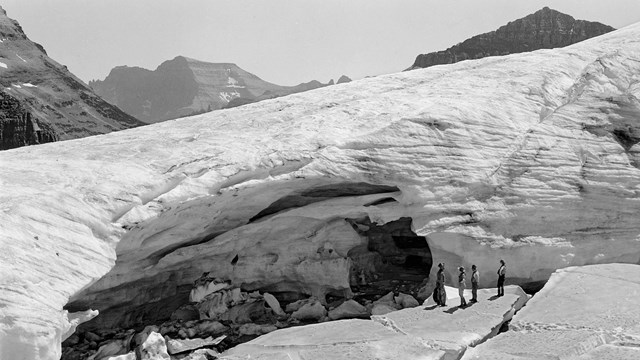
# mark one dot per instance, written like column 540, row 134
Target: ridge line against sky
column 281, row 41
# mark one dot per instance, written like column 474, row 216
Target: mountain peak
column 344, row 79
column 547, row 11
column 54, row 103
column 544, row 29
column 185, row 86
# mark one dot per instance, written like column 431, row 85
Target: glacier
column 532, row 158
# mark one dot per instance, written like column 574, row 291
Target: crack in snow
column 387, row 323
column 573, row 93
column 599, row 337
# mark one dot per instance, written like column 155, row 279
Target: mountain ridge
column 544, row 29
column 186, row 86
column 53, row 99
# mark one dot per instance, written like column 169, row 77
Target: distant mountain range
column 41, row 101
column 544, row 29
column 184, row 86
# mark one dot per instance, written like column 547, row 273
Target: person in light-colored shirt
column 462, row 279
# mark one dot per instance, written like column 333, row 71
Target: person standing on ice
column 462, row 279
column 502, row 270
column 441, row 297
column 475, row 278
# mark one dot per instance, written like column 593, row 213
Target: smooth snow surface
column 588, row 312
column 532, row 158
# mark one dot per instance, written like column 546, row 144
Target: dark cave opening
column 394, row 258
column 414, row 261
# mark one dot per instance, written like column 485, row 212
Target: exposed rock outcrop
column 530, row 158
column 184, row 86
column 312, row 310
column 41, row 101
column 181, row 346
column 153, row 348
column 350, row 309
column 18, row 127
column 273, row 304
column 544, row 29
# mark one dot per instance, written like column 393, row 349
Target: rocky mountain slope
column 544, row 29
column 184, row 86
column 18, row 127
column 532, row 158
column 42, row 101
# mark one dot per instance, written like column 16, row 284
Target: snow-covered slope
column 532, row 158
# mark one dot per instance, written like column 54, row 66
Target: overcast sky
column 282, row 41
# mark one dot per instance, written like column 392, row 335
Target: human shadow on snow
column 459, row 307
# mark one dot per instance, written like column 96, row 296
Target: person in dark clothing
column 442, row 294
column 475, row 278
column 502, row 271
column 462, row 280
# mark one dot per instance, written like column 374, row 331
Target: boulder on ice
column 349, row 309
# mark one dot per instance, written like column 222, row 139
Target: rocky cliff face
column 184, row 86
column 544, row 29
column 531, row 158
column 57, row 103
column 18, row 127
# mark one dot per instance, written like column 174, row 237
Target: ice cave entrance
column 393, row 259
